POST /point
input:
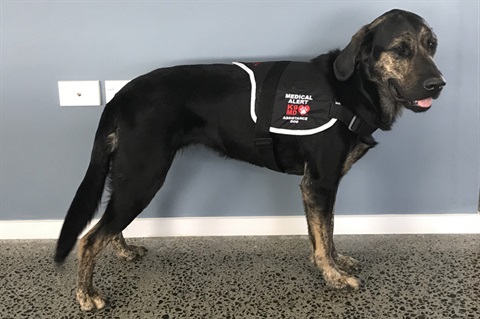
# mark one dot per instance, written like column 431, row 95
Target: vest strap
column 263, row 139
column 352, row 121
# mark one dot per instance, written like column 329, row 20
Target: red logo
column 303, row 109
column 294, row 109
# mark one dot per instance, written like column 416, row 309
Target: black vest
column 301, row 102
column 293, row 98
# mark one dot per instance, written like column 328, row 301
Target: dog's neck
column 359, row 95
column 371, row 107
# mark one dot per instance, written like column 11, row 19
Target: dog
column 388, row 66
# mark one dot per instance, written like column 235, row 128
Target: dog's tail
column 89, row 193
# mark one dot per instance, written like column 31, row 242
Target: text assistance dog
column 261, row 113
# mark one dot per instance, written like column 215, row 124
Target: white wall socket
column 112, row 87
column 79, row 93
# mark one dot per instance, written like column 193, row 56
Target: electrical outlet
column 112, row 87
column 79, row 93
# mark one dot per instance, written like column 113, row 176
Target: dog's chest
column 354, row 155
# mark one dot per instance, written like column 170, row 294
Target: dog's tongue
column 425, row 102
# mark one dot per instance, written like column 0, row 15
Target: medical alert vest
column 293, row 98
column 301, row 102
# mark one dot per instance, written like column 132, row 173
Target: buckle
column 355, row 124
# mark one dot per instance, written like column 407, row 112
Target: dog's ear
column 344, row 64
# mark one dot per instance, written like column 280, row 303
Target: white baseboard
column 260, row 226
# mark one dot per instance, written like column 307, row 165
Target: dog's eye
column 432, row 47
column 403, row 50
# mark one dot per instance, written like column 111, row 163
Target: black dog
column 387, row 66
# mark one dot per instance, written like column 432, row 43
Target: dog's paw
column 346, row 263
column 131, row 252
column 340, row 280
column 90, row 301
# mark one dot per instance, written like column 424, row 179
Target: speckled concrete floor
column 403, row 276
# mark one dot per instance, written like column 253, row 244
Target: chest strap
column 352, row 121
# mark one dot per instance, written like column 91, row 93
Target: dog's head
column 395, row 52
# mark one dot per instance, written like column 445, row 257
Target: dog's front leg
column 343, row 262
column 319, row 201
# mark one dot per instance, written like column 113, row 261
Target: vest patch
column 302, row 100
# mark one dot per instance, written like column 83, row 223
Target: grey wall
column 429, row 163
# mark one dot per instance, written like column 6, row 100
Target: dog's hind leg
column 88, row 249
column 135, row 181
column 318, row 201
column 126, row 252
column 118, row 215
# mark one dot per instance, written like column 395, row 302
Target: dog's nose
column 434, row 84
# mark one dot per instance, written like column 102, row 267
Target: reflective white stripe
column 319, row 129
column 253, row 94
column 277, row 130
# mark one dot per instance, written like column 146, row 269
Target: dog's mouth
column 419, row 105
